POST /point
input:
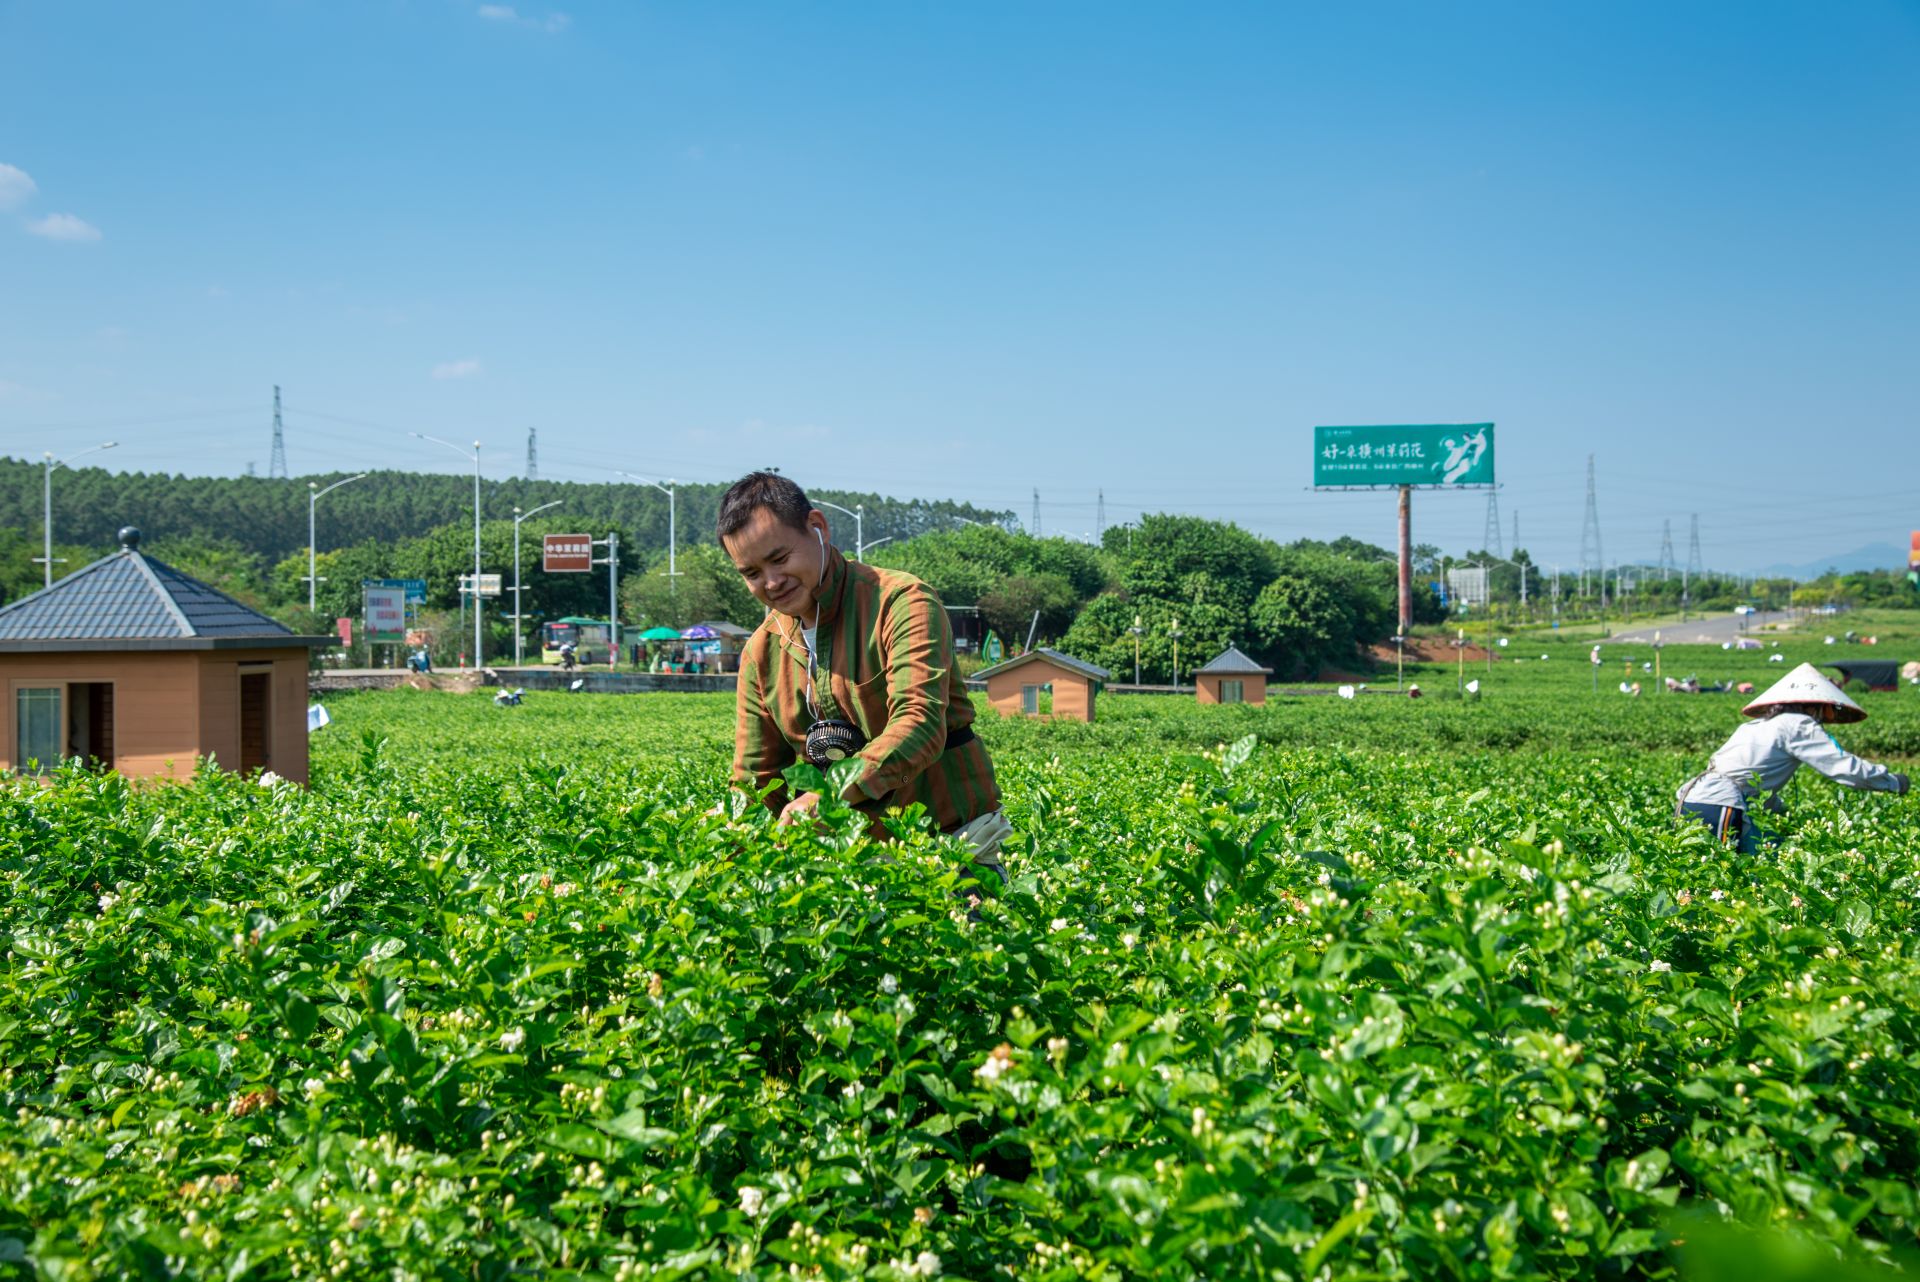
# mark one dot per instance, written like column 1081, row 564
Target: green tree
column 707, row 587
column 1009, row 608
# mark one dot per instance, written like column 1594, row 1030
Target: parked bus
column 591, row 639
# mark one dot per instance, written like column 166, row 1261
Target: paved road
column 1707, row 630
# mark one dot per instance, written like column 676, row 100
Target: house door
column 256, row 751
column 90, row 722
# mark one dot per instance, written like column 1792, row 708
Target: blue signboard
column 416, row 588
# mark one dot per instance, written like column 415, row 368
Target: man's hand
column 801, row 808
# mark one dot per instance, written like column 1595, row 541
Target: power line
column 277, row 462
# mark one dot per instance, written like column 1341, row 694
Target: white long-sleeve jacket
column 1762, row 756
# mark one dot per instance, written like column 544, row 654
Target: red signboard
column 344, row 626
column 567, row 554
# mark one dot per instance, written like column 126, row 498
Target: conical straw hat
column 1805, row 685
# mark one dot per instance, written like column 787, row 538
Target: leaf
column 1238, row 753
column 1855, row 918
column 302, row 1017
column 1348, row 1223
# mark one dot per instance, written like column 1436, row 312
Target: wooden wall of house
column 1207, row 686
column 171, row 707
column 221, row 674
column 156, row 704
column 1072, row 693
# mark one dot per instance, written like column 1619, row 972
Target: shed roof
column 130, row 601
column 1066, row 661
column 1230, row 662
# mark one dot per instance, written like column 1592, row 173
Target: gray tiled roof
column 1064, row 660
column 1231, row 662
column 129, row 596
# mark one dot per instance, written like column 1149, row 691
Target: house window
column 256, row 738
column 1233, row 691
column 1030, row 700
column 36, row 727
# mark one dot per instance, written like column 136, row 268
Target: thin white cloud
column 457, row 369
column 553, row 24
column 16, row 188
column 64, row 227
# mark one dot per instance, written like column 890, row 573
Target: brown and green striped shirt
column 884, row 661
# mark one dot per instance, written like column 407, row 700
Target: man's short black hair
column 756, row 490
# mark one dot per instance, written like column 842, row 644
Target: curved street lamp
column 858, row 513
column 667, row 490
column 314, row 495
column 46, row 513
column 519, row 516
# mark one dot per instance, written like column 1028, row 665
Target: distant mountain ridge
column 1874, row 556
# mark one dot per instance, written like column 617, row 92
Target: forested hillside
column 268, row 518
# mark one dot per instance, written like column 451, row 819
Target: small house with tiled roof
column 1231, row 678
column 130, row 664
column 1043, row 683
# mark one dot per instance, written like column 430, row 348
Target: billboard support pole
column 1406, row 559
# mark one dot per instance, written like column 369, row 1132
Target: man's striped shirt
column 884, row 661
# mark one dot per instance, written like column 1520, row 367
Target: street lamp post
column 1174, row 632
column 314, row 495
column 1137, row 628
column 858, row 513
column 667, row 490
column 519, row 516
column 475, row 456
column 46, row 513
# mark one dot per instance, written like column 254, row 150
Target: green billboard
column 1441, row 455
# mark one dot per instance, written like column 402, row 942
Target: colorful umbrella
column 659, row 634
column 700, row 632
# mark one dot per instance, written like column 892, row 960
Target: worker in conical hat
column 1788, row 731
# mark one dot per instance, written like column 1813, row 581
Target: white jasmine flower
column 1657, row 965
column 513, row 1040
column 107, row 902
column 1058, row 923
column 751, row 1200
column 889, row 984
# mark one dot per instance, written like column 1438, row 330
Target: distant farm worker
column 851, row 661
column 1763, row 754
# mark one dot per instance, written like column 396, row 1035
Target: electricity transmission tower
column 1516, row 532
column 277, row 462
column 1666, row 549
column 1100, row 516
column 1036, row 513
column 1592, row 559
column 533, row 454
column 1490, row 540
column 1694, row 569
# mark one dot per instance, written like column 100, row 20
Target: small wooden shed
column 133, row 665
column 1043, row 682
column 1231, row 678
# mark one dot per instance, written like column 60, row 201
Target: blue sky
column 969, row 249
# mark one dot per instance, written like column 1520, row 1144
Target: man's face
column 781, row 565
